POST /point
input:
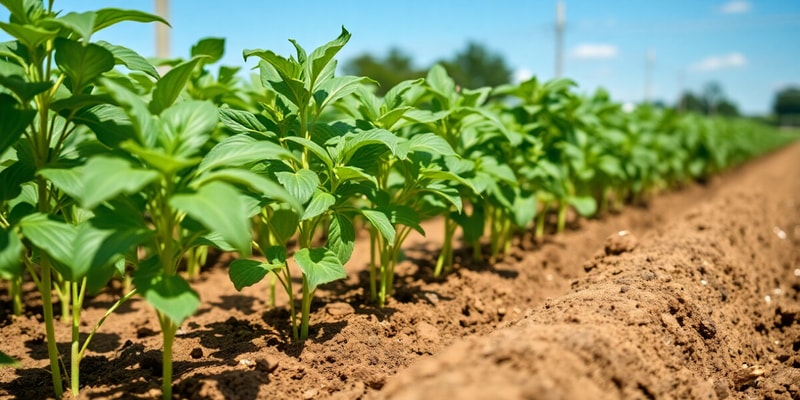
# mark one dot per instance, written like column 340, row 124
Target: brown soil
column 704, row 304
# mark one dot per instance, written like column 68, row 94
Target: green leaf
column 259, row 184
column 157, row 159
column 81, row 250
column 18, row 9
column 442, row 84
column 584, row 205
column 439, row 175
column 524, row 210
column 320, row 59
column 82, row 63
column 320, row 266
column 187, row 126
column 244, row 273
column 347, row 173
column 240, row 150
column 171, row 295
column 170, row 86
column 472, row 226
column 142, row 121
column 284, row 224
column 320, row 202
column 11, row 249
column 7, row 361
column 80, row 101
column 212, row 48
column 79, row 23
column 448, row 193
column 101, row 178
column 13, row 177
column 52, row 237
column 381, row 222
column 130, row 59
column 31, row 36
column 402, row 215
column 240, row 121
column 24, row 90
column 300, row 184
column 426, row 143
column 111, row 16
column 318, row 151
column 13, row 124
column 334, row 89
column 220, row 208
column 341, row 237
column 353, row 142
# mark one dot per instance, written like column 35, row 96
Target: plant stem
column 272, row 281
column 75, row 353
column 562, row 215
column 47, row 310
column 99, row 323
column 306, row 309
column 292, row 311
column 445, row 260
column 168, row 329
column 539, row 235
column 373, row 248
column 16, row 294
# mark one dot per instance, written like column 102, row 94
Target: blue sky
column 751, row 47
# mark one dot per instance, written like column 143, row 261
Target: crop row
column 111, row 170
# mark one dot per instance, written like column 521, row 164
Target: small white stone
column 778, row 231
column 703, row 282
column 623, row 233
column 797, row 272
column 245, row 362
column 768, row 299
column 777, row 291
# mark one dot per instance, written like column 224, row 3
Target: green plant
column 48, row 75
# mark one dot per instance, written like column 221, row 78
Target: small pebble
column 620, row 242
column 196, row 353
column 310, row 393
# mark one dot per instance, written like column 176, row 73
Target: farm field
column 706, row 305
column 183, row 229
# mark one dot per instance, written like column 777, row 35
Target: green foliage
column 110, row 173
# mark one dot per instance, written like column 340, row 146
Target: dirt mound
column 673, row 309
column 708, row 308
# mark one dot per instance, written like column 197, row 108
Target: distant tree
column 727, row 108
column 712, row 96
column 787, row 102
column 476, row 66
column 396, row 67
column 689, row 102
column 711, row 102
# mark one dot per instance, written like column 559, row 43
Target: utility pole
column 561, row 15
column 162, row 31
column 648, row 76
column 681, row 91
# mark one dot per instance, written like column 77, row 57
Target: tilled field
column 699, row 299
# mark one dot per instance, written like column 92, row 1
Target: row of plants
column 111, row 170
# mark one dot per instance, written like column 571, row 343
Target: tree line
column 477, row 66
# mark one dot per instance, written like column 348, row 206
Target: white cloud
column 595, row 51
column 522, row 75
column 735, row 7
column 713, row 63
